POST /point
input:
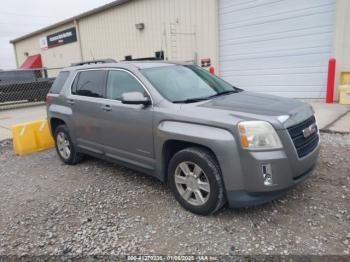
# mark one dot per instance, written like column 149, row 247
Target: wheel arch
column 54, row 123
column 172, row 136
column 172, row 146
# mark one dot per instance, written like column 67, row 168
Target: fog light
column 267, row 174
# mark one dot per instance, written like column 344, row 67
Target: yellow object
column 344, row 94
column 345, row 78
column 31, row 137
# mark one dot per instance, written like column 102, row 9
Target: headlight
column 258, row 135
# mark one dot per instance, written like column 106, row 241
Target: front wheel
column 65, row 148
column 195, row 179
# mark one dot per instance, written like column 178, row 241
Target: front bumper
column 286, row 168
column 241, row 198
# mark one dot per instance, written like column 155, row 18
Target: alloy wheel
column 192, row 183
column 63, row 145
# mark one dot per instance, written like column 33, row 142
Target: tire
column 201, row 191
column 61, row 132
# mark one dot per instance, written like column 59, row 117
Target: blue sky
column 19, row 17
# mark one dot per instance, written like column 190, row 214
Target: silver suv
column 210, row 141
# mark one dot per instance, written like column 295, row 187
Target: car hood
column 261, row 106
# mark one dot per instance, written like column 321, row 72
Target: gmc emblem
column 309, row 130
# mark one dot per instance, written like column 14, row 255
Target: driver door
column 127, row 129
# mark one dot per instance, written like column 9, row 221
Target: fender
column 220, row 141
column 64, row 113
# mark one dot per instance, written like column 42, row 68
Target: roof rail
column 101, row 61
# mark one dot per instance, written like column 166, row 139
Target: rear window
column 90, row 83
column 59, row 82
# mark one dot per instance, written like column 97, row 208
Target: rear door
column 86, row 101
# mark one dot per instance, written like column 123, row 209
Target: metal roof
column 71, row 19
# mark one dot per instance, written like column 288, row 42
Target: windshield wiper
column 227, row 92
column 191, row 100
column 198, row 99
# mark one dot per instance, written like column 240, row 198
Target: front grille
column 304, row 146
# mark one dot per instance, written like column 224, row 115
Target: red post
column 212, row 70
column 330, row 81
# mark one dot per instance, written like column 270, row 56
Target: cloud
column 19, row 17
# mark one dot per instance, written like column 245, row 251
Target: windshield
column 179, row 83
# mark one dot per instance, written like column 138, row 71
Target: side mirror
column 135, row 98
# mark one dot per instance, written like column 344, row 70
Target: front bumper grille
column 304, row 146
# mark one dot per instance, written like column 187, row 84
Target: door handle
column 70, row 102
column 106, row 108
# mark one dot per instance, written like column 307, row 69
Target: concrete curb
column 328, row 131
column 336, row 120
column 20, row 105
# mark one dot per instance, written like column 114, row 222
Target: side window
column 59, row 82
column 120, row 82
column 89, row 83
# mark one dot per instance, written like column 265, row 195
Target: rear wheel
column 195, row 179
column 65, row 148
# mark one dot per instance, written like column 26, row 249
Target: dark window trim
column 76, row 80
column 76, row 73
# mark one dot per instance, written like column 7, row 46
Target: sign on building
column 61, row 38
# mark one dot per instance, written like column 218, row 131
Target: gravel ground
column 100, row 208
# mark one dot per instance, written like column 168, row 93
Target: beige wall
column 56, row 57
column 181, row 28
column 184, row 29
column 342, row 38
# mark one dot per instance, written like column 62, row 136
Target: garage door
column 279, row 47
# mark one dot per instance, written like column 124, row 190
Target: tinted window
column 120, row 82
column 89, row 83
column 59, row 82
